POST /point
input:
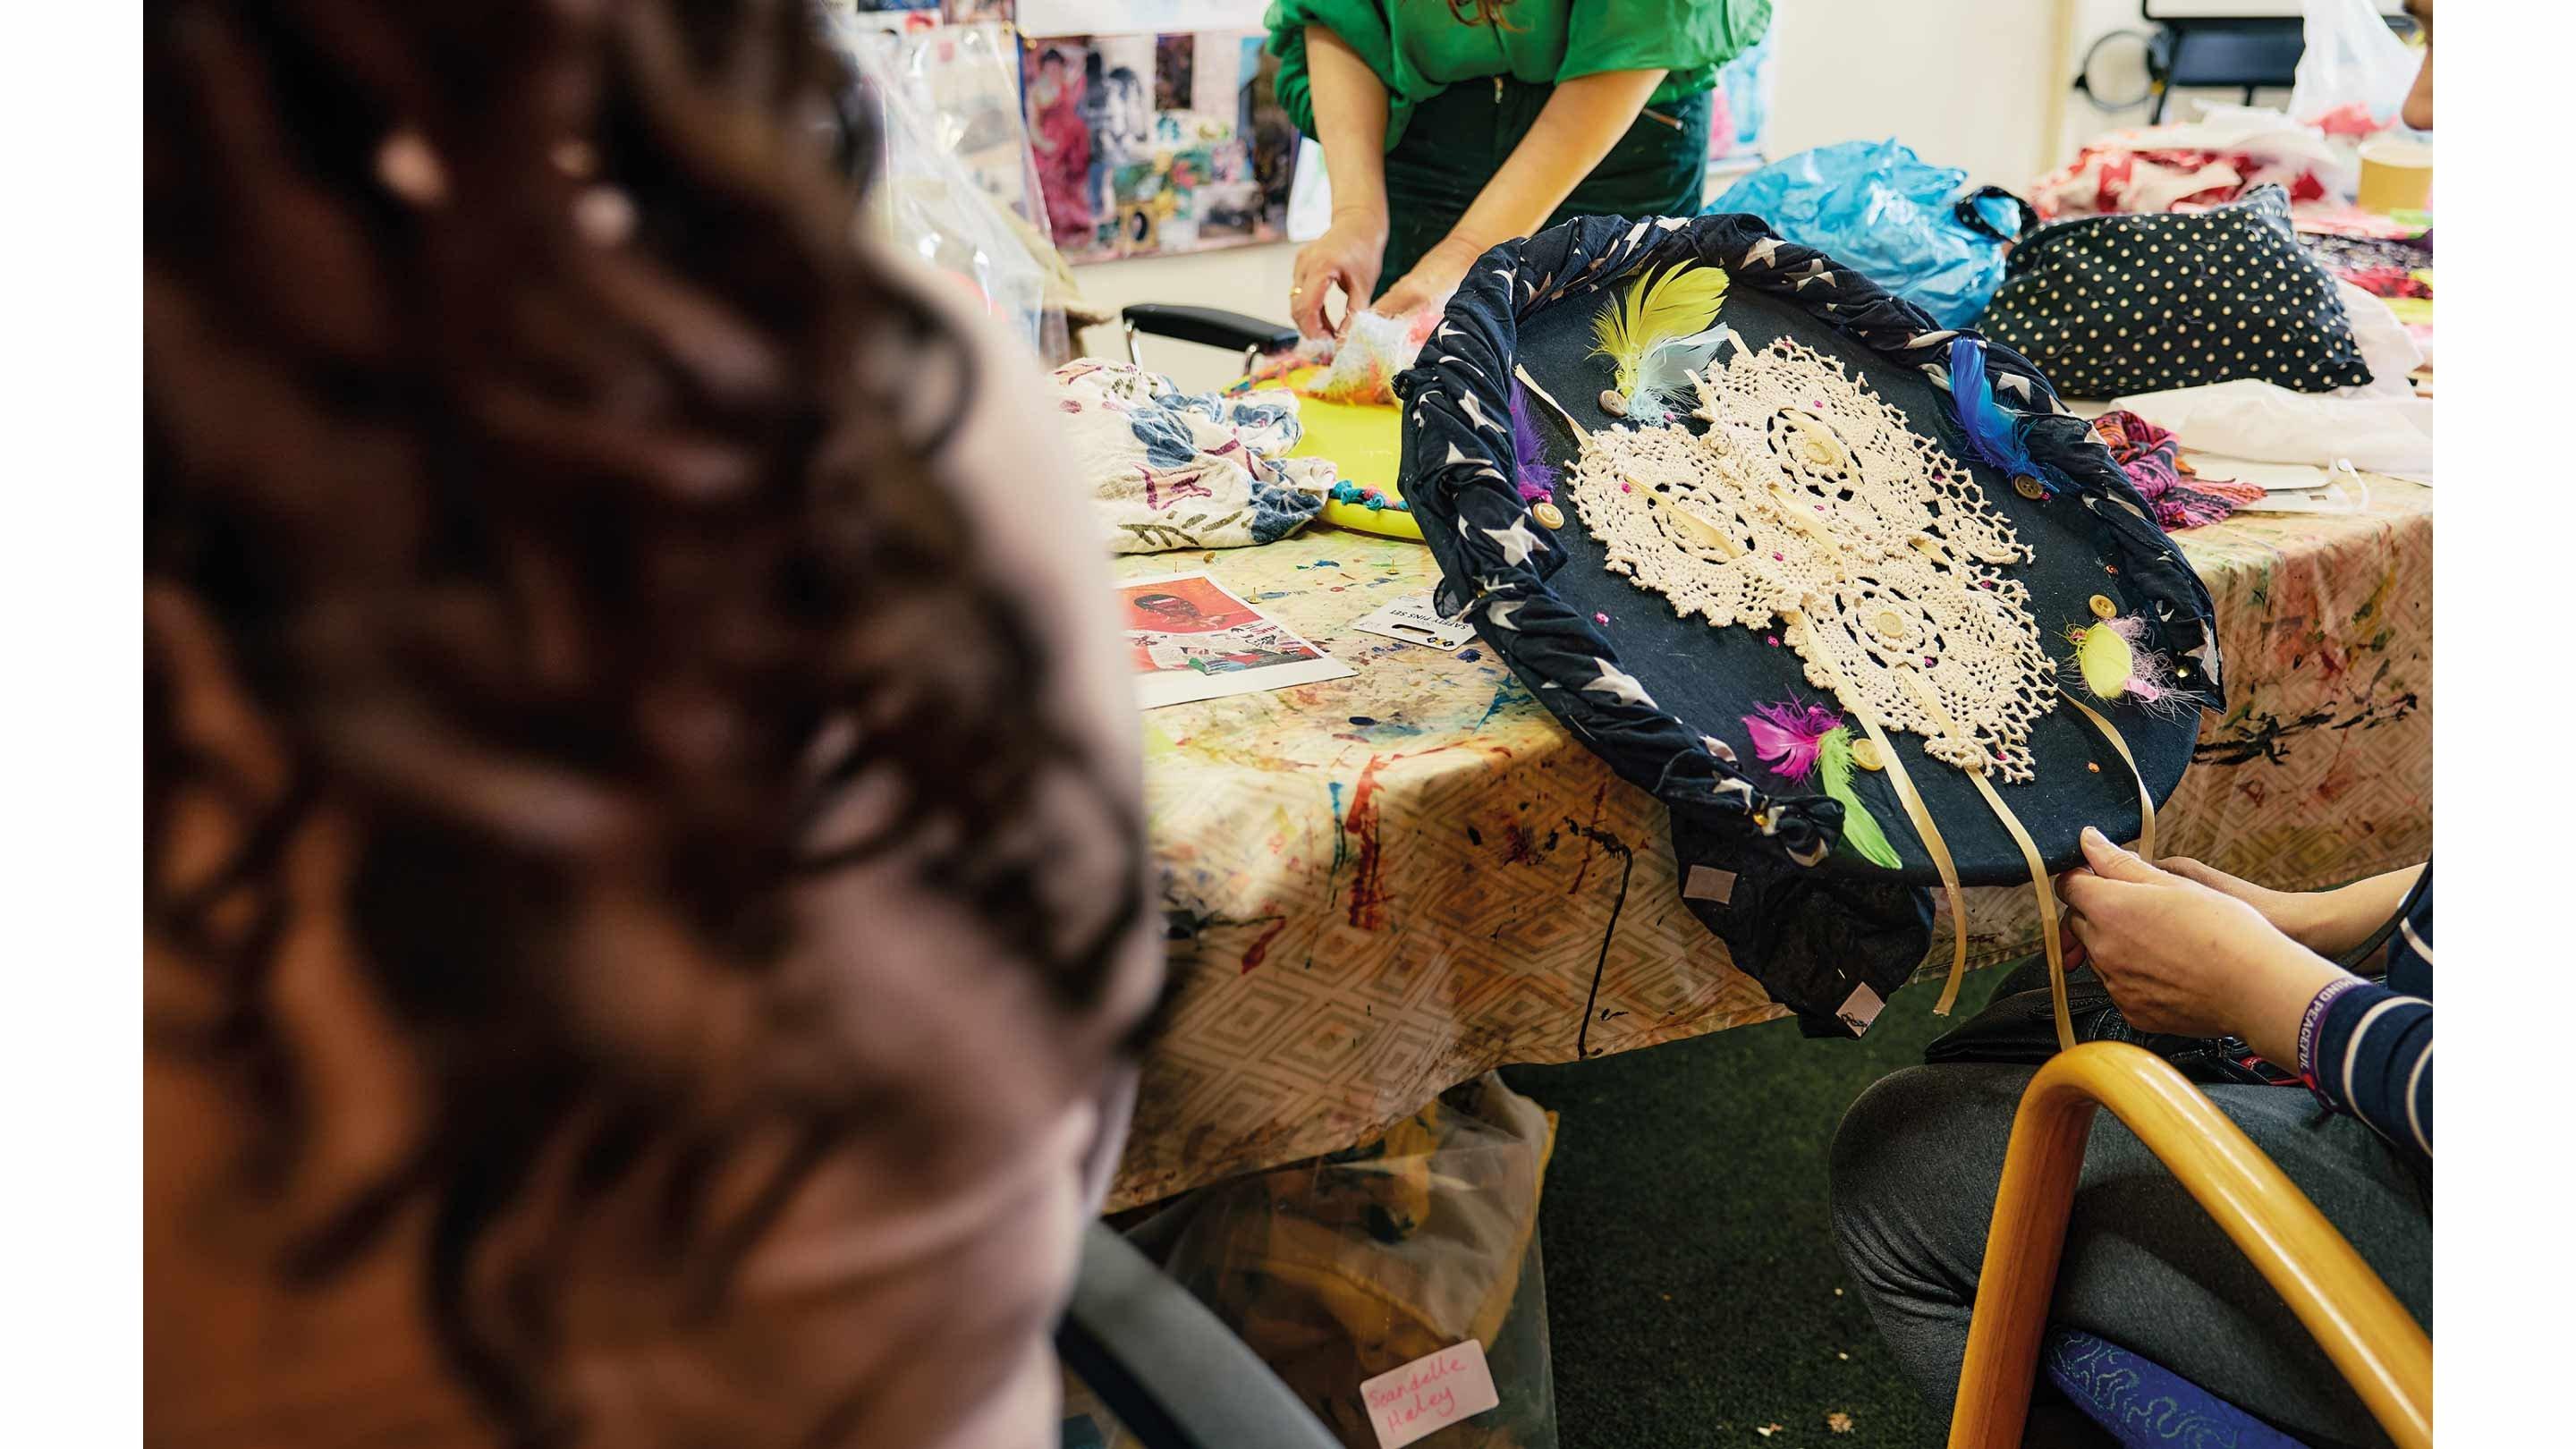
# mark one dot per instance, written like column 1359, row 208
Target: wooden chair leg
column 2371, row 1339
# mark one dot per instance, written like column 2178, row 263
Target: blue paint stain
column 1273, row 594
column 1340, row 843
column 1361, row 719
column 1471, row 653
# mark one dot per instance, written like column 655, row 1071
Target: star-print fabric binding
column 1805, row 934
column 2113, row 305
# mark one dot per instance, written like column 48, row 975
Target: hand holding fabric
column 2182, row 956
column 1347, row 256
column 1430, row 284
column 2287, row 911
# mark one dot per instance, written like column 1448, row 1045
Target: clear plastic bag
column 929, row 203
column 1878, row 207
column 2353, row 77
column 1348, row 1267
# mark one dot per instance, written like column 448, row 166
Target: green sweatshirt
column 1422, row 47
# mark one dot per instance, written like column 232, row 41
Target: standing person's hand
column 2183, row 957
column 1347, row 256
column 1430, row 283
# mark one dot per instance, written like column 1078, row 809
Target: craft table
column 1383, row 885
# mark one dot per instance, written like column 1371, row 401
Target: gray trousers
column 1915, row 1164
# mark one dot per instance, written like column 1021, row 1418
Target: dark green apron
column 1459, row 138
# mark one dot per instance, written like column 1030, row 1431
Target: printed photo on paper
column 1191, row 639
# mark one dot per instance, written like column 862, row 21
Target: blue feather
column 1993, row 432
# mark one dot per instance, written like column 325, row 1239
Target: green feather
column 1860, row 828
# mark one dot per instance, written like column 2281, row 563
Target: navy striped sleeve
column 2369, row 1051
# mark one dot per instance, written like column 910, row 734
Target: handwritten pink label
column 1429, row 1394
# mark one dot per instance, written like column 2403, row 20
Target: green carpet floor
column 1693, row 1292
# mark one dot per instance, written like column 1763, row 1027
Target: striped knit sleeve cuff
column 2312, row 1023
column 2372, row 1055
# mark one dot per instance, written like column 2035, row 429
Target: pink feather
column 1790, row 735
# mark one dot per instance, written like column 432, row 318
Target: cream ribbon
column 2039, row 882
column 1915, row 811
column 2146, row 801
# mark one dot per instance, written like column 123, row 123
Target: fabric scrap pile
column 1359, row 366
column 1170, row 470
column 2151, row 457
column 2219, row 158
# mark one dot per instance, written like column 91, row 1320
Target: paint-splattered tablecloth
column 1383, row 885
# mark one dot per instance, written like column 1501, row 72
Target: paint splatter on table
column 1380, row 886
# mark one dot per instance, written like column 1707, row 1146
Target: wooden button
column 2102, row 606
column 1864, row 753
column 2030, row 488
column 1613, row 404
column 1889, row 623
column 1548, row 515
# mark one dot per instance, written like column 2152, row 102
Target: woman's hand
column 1347, row 256
column 1430, row 283
column 2290, row 912
column 2181, row 956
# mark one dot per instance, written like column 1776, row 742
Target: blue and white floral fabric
column 1169, row 469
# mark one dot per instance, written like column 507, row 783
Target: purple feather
column 1789, row 735
column 1530, row 467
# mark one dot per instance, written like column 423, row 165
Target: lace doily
column 1809, row 500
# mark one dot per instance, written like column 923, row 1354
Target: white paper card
column 1708, row 883
column 1860, row 1008
column 1429, row 1394
column 2270, row 477
column 1412, row 620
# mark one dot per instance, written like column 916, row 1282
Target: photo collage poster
column 1150, row 143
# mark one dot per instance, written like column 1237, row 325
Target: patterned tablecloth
column 1383, row 885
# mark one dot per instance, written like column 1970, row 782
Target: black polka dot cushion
column 2112, row 305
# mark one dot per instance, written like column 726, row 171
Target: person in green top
column 1451, row 125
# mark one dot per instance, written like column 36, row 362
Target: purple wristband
column 2313, row 1021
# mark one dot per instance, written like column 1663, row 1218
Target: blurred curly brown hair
column 531, row 441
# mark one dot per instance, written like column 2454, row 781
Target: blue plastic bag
column 1877, row 207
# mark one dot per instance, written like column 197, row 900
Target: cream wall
column 1242, row 279
column 1978, row 84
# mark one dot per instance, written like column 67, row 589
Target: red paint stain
column 1368, row 887
column 1259, row 950
column 1519, row 849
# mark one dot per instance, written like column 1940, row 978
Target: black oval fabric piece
column 1660, row 697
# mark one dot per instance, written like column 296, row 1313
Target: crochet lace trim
column 1809, row 501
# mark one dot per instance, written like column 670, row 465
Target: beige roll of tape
column 2396, row 175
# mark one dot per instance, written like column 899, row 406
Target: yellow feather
column 1656, row 310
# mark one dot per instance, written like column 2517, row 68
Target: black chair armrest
column 1209, row 326
column 1170, row 1370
